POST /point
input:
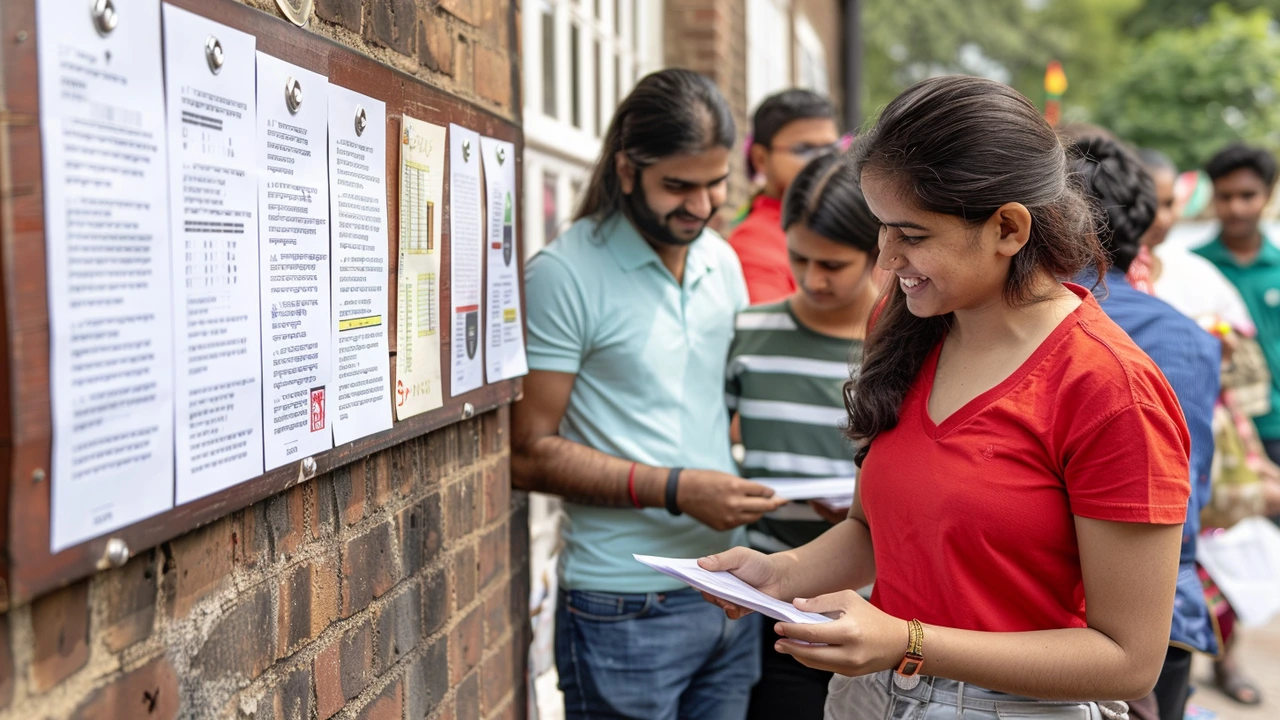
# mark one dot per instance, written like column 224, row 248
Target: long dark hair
column 669, row 112
column 825, row 197
column 964, row 146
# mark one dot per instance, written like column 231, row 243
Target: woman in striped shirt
column 787, row 368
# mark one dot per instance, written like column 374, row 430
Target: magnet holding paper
column 116, row 553
column 213, row 54
column 298, row 11
column 105, row 18
column 362, row 120
column 292, row 94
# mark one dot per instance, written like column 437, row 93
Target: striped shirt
column 786, row 382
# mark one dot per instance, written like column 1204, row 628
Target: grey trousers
column 876, row 697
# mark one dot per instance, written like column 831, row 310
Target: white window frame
column 767, row 72
column 558, row 134
column 554, row 144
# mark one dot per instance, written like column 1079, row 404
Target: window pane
column 548, row 61
column 599, row 105
column 617, row 18
column 575, row 77
column 597, row 15
column 550, row 211
column 617, row 81
column 635, row 25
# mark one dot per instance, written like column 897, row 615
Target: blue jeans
column 654, row 656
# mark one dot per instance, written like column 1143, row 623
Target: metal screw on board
column 213, row 54
column 362, row 120
column 292, row 94
column 308, row 468
column 117, row 552
column 104, row 16
column 22, row 36
column 37, row 475
column 468, row 411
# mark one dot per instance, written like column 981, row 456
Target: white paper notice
column 504, row 332
column 465, row 239
column 213, row 185
column 422, row 153
column 293, row 212
column 730, row 587
column 358, row 201
column 106, row 231
column 809, row 488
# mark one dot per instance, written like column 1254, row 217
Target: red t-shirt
column 761, row 246
column 972, row 519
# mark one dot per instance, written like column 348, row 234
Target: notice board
column 29, row 566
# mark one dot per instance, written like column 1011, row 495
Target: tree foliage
column 1185, row 76
column 1189, row 91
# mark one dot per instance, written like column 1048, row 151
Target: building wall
column 395, row 588
column 710, row 37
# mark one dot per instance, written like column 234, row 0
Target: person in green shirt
column 788, row 366
column 1243, row 180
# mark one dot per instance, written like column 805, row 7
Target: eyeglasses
column 805, row 151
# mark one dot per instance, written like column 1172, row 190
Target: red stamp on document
column 317, row 409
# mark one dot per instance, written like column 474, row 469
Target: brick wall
column 393, row 588
column 710, row 37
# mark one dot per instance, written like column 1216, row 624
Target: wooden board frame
column 27, row 567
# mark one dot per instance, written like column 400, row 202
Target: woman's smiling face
column 942, row 263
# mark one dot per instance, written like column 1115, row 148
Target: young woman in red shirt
column 1024, row 473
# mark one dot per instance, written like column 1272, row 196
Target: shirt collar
column 1217, row 252
column 765, row 203
column 632, row 251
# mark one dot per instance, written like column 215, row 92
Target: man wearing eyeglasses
column 789, row 129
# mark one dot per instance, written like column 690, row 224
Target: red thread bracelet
column 631, row 486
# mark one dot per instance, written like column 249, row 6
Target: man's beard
column 636, row 208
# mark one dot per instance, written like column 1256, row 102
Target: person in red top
column 1024, row 466
column 789, row 129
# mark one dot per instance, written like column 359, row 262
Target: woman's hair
column 825, row 197
column 1154, row 160
column 964, row 146
column 669, row 112
column 777, row 110
column 1122, row 190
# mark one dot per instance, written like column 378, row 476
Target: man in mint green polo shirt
column 630, row 314
column 1243, row 179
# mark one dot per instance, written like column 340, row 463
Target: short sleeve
column 733, row 377
column 1132, row 467
column 556, row 315
column 734, row 272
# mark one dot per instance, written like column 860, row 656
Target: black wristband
column 673, row 484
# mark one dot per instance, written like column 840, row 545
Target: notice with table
column 466, row 257
column 504, row 331
column 293, row 210
column 102, row 126
column 422, row 154
column 358, row 208
column 213, row 183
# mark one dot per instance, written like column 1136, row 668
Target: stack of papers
column 810, row 488
column 729, row 587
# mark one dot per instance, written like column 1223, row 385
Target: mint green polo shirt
column 649, row 355
column 1259, row 285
